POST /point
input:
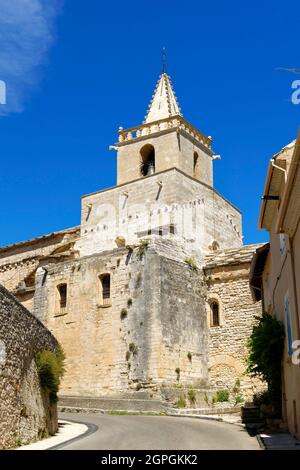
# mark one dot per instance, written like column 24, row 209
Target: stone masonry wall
column 172, row 149
column 229, row 286
column 18, row 262
column 200, row 215
column 109, row 354
column 25, row 412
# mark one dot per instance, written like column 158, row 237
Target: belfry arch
column 147, row 154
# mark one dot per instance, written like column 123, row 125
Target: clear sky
column 77, row 70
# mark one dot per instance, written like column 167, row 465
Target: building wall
column 166, row 321
column 200, row 214
column 280, row 286
column 229, row 286
column 172, row 149
column 18, row 263
column 25, row 412
column 293, row 408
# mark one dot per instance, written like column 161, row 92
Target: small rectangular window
column 215, row 314
column 105, row 284
column 62, row 298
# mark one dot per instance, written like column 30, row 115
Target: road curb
column 209, row 418
column 61, row 437
column 261, row 442
column 91, row 429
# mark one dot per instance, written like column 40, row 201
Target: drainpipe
column 279, row 168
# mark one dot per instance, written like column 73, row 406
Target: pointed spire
column 164, row 103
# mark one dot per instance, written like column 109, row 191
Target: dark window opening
column 215, row 312
column 105, row 284
column 172, row 229
column 196, row 165
column 147, row 160
column 160, row 231
column 62, row 291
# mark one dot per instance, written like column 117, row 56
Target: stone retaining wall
column 25, row 412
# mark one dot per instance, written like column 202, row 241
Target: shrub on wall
column 50, row 366
column 221, row 396
column 265, row 347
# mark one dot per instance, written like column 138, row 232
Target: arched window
column 196, row 165
column 147, row 160
column 105, row 289
column 62, row 297
column 214, row 313
column 215, row 245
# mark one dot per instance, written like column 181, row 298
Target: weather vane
column 164, row 60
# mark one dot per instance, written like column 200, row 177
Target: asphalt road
column 159, row 433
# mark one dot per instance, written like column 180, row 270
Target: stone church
column 150, row 293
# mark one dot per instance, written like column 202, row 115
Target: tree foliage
column 265, row 347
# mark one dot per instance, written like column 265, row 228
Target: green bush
column 143, row 245
column 238, row 399
column 192, row 263
column 177, row 370
column 192, row 396
column 265, row 347
column 133, row 348
column 181, row 402
column 50, row 366
column 221, row 396
column 129, row 302
column 123, row 313
column 237, row 386
column 189, row 356
column 262, row 398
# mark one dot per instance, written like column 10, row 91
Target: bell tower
column 165, row 140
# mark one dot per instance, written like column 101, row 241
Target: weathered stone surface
column 25, row 412
column 153, row 332
column 166, row 320
column 227, row 277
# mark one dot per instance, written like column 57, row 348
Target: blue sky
column 76, row 71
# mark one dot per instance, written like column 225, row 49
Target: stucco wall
column 25, row 412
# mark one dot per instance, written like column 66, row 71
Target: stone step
column 204, row 411
column 111, row 404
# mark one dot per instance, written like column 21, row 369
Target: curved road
column 159, row 433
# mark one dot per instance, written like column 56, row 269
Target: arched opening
column 215, row 245
column 214, row 313
column 196, row 165
column 105, row 289
column 62, row 297
column 147, row 160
